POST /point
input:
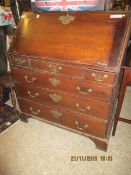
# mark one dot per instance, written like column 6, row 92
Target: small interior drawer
column 100, row 76
column 19, row 60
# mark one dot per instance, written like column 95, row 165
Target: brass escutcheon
column 56, row 98
column 66, row 19
column 54, row 81
column 56, row 114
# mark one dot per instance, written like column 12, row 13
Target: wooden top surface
column 90, row 39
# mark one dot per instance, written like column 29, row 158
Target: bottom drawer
column 80, row 122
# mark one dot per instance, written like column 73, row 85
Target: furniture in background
column 8, row 114
column 1, row 2
column 3, row 62
column 120, row 5
column 18, row 6
column 7, row 82
column 70, row 77
column 126, row 81
column 6, row 23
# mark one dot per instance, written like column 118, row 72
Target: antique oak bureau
column 66, row 69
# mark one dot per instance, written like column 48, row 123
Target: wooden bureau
column 66, row 69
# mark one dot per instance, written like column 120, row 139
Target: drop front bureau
column 66, row 69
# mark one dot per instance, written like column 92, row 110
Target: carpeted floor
column 36, row 148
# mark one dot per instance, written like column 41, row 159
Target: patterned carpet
column 7, row 118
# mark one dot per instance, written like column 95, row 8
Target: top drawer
column 57, row 68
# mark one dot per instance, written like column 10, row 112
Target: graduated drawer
column 81, row 105
column 79, row 122
column 76, row 87
column 100, row 76
column 19, row 60
column 57, row 68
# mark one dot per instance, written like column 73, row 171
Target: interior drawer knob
column 81, row 92
column 104, row 77
column 33, row 112
column 56, row 114
column 55, row 68
column 80, row 127
column 33, row 96
column 87, row 108
column 29, row 81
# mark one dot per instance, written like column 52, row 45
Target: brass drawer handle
column 81, row 128
column 104, row 77
column 55, row 68
column 20, row 61
column 33, row 96
column 55, row 98
column 33, row 112
column 30, row 81
column 56, row 114
column 101, row 63
column 54, row 81
column 81, row 109
column 88, row 91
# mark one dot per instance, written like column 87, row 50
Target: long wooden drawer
column 79, row 122
column 57, row 68
column 81, row 105
column 94, row 91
